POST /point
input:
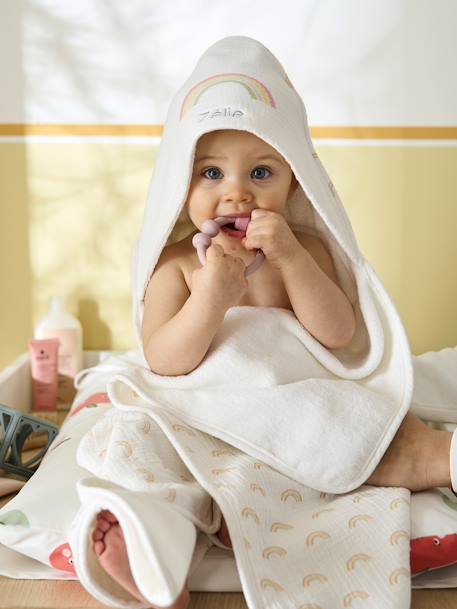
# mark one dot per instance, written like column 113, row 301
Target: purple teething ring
column 201, row 241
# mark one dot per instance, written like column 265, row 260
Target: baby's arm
column 318, row 301
column 178, row 326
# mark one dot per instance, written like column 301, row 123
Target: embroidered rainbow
column 254, row 87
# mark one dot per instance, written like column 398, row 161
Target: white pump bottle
column 58, row 323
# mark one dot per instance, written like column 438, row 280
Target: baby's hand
column 222, row 279
column 269, row 231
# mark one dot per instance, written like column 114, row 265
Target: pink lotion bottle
column 59, row 323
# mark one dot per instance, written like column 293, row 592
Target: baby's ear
column 293, row 185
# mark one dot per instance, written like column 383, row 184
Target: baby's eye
column 261, row 169
column 210, row 169
column 218, row 171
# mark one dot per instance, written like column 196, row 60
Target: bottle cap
column 57, row 304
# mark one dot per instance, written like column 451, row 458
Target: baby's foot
column 417, row 458
column 223, row 534
column 109, row 545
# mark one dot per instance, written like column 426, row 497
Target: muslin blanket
column 269, row 451
column 272, row 428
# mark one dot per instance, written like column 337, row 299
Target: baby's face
column 239, row 182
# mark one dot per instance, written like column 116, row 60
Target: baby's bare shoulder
column 180, row 255
column 175, row 253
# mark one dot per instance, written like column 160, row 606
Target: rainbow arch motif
column 255, row 88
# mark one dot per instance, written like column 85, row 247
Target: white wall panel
column 355, row 62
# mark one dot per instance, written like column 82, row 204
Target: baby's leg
column 224, row 535
column 109, row 545
column 418, row 458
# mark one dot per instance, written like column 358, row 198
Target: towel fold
column 313, row 425
column 160, row 544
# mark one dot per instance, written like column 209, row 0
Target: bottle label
column 67, row 364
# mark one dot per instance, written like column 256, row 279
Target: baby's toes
column 105, row 520
column 109, row 516
column 99, row 547
column 97, row 535
column 103, row 524
column 101, row 527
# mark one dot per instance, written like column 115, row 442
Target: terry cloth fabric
column 240, row 73
column 316, row 421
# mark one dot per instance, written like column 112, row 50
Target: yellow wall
column 70, row 212
column 402, row 202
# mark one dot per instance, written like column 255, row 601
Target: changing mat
column 271, row 423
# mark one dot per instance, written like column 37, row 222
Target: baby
column 251, row 179
column 237, row 173
column 234, row 173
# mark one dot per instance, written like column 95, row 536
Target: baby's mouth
column 231, row 231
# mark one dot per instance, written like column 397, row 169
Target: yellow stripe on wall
column 117, row 130
column 362, row 133
column 385, row 133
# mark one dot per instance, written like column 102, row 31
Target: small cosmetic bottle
column 60, row 324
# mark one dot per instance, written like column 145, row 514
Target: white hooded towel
column 315, row 421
